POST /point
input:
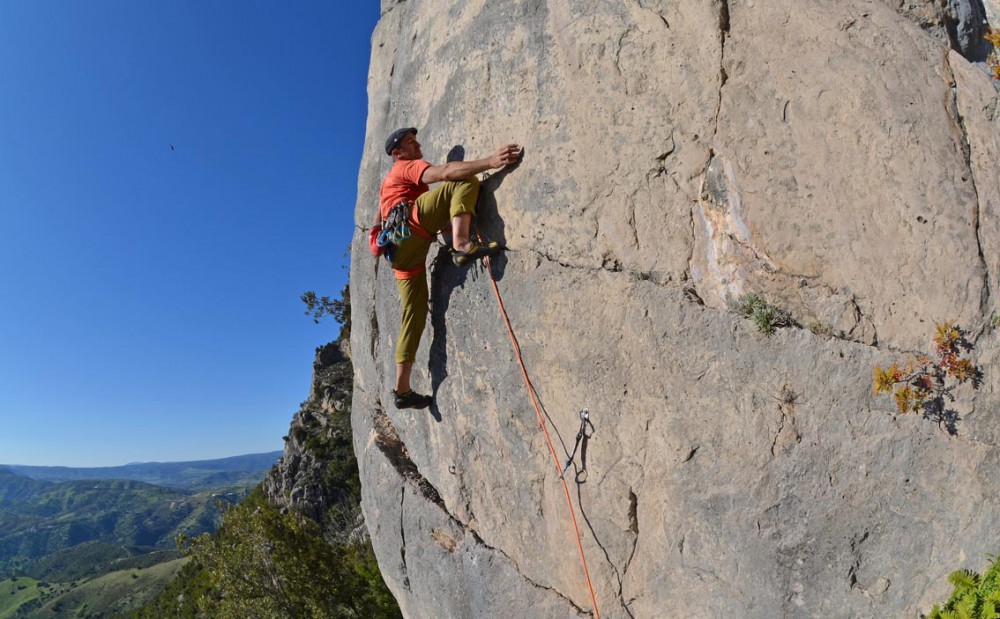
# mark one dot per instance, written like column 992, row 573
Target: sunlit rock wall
column 836, row 158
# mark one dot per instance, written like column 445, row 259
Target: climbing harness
column 548, row 439
column 582, row 436
column 400, row 224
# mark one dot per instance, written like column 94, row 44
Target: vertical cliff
column 839, row 159
column 314, row 477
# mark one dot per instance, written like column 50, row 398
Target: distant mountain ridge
column 15, row 488
column 192, row 475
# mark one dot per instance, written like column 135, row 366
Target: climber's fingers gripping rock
column 505, row 156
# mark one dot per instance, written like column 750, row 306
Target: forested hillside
column 57, row 517
column 72, row 548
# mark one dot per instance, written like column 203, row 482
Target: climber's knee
column 464, row 196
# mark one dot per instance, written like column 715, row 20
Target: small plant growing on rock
column 974, row 597
column 765, row 317
column 993, row 62
column 925, row 383
column 821, row 329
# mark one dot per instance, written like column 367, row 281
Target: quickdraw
column 396, row 226
column 582, row 436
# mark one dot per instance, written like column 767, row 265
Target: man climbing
column 427, row 212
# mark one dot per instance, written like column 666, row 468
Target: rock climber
column 428, row 211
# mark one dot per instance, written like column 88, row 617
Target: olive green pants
column 435, row 209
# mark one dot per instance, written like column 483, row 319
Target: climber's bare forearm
column 459, row 170
column 455, row 170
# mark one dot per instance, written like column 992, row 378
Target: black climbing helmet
column 396, row 137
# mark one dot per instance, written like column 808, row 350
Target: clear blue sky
column 149, row 296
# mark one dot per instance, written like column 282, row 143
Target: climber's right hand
column 505, row 156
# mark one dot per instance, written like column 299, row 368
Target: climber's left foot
column 411, row 399
column 475, row 251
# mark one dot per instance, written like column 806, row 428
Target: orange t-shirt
column 402, row 183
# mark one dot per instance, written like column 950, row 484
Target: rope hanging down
column 580, row 437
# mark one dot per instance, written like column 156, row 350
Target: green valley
column 14, row 592
column 102, row 547
column 108, row 595
column 128, row 514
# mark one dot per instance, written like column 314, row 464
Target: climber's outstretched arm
column 459, row 170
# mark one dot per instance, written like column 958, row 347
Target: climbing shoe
column 411, row 399
column 475, row 251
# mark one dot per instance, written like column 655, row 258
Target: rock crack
column 956, row 112
column 392, row 447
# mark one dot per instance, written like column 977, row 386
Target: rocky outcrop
column 961, row 23
column 835, row 158
column 307, row 479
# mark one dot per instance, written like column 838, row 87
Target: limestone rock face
column 837, row 159
column 992, row 8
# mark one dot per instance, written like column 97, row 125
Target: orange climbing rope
column 548, row 439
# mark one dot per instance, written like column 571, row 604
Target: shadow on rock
column 947, row 418
column 446, row 277
column 488, row 221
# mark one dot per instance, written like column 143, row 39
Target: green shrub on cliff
column 264, row 563
column 975, row 596
column 764, row 316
